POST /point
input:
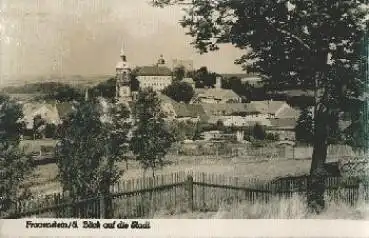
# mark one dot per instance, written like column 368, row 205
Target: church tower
column 123, row 76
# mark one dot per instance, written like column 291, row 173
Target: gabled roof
column 268, row 107
column 216, row 93
column 288, row 112
column 64, row 109
column 190, row 110
column 165, row 98
column 154, row 71
column 221, row 109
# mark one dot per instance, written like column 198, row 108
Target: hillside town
column 211, row 105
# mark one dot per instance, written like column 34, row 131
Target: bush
column 50, row 131
column 272, row 136
column 259, row 132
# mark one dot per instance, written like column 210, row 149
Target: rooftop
column 217, row 93
column 154, row 71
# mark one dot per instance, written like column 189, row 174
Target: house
column 283, row 127
column 47, row 111
column 282, row 117
column 181, row 111
column 191, row 112
column 216, row 95
column 216, row 135
column 274, row 109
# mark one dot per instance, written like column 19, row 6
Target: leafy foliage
column 179, row 73
column 179, row 91
column 14, row 165
column 184, row 130
column 152, row 137
column 63, row 93
column 300, row 43
column 39, row 125
column 203, row 78
column 304, row 127
column 91, row 142
column 51, row 131
column 104, row 89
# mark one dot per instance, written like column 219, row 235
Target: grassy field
column 282, row 208
column 43, row 180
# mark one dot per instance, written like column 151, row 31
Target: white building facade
column 157, row 77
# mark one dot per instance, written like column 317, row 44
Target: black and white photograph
column 184, row 109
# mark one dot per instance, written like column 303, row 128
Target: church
column 157, row 77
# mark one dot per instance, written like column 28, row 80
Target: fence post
column 361, row 192
column 190, row 192
column 102, row 207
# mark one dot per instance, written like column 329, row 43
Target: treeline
column 48, row 91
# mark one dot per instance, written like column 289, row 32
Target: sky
column 84, row 37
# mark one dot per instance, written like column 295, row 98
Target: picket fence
column 179, row 192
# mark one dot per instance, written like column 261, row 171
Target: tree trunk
column 316, row 183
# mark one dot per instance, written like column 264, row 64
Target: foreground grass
column 278, row 208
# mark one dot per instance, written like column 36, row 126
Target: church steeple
column 122, row 54
column 123, row 72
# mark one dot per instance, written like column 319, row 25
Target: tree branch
column 298, row 39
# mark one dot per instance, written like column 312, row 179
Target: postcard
column 213, row 118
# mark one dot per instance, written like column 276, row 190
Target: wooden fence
column 180, row 192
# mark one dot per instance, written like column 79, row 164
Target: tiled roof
column 154, row 71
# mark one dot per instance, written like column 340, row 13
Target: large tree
column 203, row 77
column 179, row 91
column 104, row 89
column 179, row 73
column 14, row 165
column 152, row 136
column 92, row 141
column 312, row 44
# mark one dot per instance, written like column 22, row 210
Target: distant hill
column 74, row 80
column 34, row 88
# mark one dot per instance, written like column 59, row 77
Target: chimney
column 218, row 83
